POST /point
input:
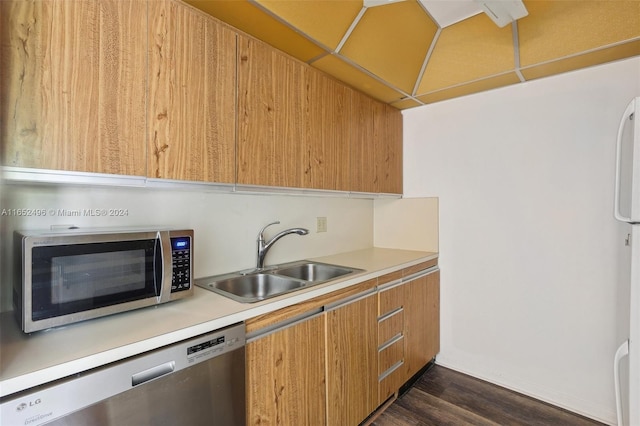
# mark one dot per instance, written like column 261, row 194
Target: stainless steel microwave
column 68, row 276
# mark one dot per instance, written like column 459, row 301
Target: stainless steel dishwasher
column 200, row 381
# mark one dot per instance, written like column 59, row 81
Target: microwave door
column 627, row 183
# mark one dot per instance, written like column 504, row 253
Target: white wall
column 531, row 288
column 225, row 225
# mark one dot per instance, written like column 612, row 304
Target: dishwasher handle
column 153, row 373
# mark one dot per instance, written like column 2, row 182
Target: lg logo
column 24, row 405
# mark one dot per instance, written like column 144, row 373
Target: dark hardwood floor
column 445, row 397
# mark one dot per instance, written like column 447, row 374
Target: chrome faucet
column 263, row 247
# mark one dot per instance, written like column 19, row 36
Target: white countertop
column 28, row 360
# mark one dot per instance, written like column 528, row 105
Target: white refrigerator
column 627, row 210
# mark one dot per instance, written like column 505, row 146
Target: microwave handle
column 627, row 113
column 163, row 242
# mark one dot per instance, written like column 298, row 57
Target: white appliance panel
column 627, row 191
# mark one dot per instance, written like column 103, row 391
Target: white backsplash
column 225, row 225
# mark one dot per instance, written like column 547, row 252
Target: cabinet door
column 363, row 153
column 422, row 322
column 376, row 141
column 192, row 83
column 388, row 148
column 271, row 91
column 286, row 376
column 327, row 130
column 74, row 85
column 352, row 362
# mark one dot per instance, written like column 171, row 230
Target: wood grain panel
column 270, row 116
column 191, row 95
column 387, row 278
column 390, row 355
column 286, row 376
column 391, row 383
column 419, row 267
column 246, row 16
column 74, row 81
column 390, row 327
column 352, row 383
column 363, row 155
column 284, row 314
column 422, row 322
column 376, row 152
column 388, row 149
column 327, row 126
column 356, row 78
column 391, row 299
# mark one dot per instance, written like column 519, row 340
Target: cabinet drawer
column 390, row 299
column 390, row 383
column 390, row 355
column 390, row 326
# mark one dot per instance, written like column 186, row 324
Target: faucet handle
column 260, row 236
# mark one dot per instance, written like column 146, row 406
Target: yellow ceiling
column 398, row 54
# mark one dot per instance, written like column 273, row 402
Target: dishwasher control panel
column 216, row 344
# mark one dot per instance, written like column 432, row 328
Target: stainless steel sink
column 254, row 287
column 310, row 271
column 249, row 287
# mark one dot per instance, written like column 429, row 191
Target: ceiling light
column 503, row 12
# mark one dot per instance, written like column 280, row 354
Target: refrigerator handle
column 618, row 215
column 622, row 351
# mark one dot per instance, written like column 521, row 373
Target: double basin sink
column 257, row 285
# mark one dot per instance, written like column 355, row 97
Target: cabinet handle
column 392, row 341
column 354, row 298
column 391, row 369
column 390, row 285
column 421, row 274
column 282, row 324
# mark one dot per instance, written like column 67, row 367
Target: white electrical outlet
column 321, row 224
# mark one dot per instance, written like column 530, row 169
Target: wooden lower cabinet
column 352, row 360
column 286, row 375
column 348, row 357
column 422, row 322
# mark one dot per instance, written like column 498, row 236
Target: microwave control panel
column 181, row 260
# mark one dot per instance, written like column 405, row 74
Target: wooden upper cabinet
column 271, row 100
column 388, row 148
column 73, row 85
column 191, row 118
column 293, row 122
column 363, row 154
column 327, row 133
column 376, row 147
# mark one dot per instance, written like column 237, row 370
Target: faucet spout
column 264, row 246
